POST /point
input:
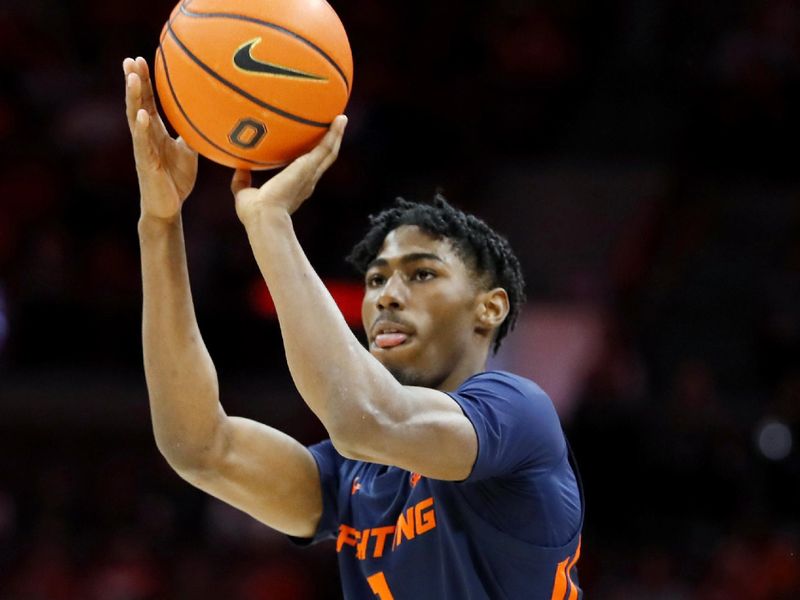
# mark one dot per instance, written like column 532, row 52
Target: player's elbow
column 187, row 456
column 350, row 450
column 358, row 436
column 181, row 458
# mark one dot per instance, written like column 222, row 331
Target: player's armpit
column 425, row 431
column 265, row 473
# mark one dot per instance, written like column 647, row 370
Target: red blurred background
column 640, row 156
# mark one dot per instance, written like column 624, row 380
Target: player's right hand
column 166, row 167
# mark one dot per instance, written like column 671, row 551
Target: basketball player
column 440, row 480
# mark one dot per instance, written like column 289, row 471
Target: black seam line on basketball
column 309, row 43
column 242, row 92
column 193, row 126
column 243, row 59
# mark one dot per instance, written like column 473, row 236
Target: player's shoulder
column 513, row 417
column 504, row 383
column 501, row 391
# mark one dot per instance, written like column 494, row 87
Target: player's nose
column 393, row 293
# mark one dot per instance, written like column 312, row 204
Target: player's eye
column 423, row 274
column 375, row 280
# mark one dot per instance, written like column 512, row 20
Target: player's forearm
column 345, row 386
column 181, row 379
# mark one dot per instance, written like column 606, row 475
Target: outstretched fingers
column 133, row 93
column 128, row 65
column 138, row 91
column 148, row 98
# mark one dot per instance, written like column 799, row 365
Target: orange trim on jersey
column 573, row 594
column 563, row 579
column 560, row 583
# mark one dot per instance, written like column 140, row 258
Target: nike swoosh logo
column 245, row 61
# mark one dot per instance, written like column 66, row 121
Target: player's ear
column 492, row 309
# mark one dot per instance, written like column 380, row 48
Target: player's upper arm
column 265, row 473
column 426, row 432
column 495, row 425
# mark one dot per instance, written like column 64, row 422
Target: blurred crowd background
column 641, row 156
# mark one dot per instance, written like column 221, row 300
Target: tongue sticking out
column 388, row 340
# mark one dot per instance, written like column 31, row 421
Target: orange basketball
column 253, row 84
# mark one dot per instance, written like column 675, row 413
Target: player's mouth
column 390, row 334
column 390, row 340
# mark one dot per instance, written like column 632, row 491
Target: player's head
column 451, row 284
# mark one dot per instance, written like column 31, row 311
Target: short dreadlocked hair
column 483, row 250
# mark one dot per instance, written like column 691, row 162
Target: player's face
column 419, row 309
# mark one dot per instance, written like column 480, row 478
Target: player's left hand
column 291, row 187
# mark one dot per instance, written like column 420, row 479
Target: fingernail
column 140, row 116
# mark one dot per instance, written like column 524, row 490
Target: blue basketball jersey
column 510, row 531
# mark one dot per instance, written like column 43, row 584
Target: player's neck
column 466, row 369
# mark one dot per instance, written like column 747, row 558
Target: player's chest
column 383, row 510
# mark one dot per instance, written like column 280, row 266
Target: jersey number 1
column 379, row 586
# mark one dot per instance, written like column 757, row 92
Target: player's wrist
column 151, row 224
column 261, row 215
